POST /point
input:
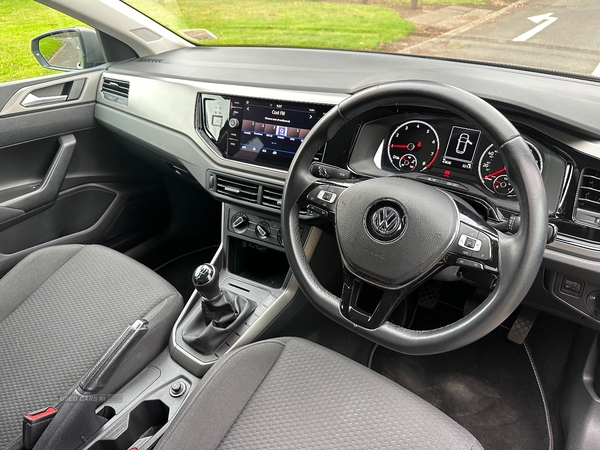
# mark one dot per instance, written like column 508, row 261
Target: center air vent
column 272, row 197
column 241, row 190
column 248, row 191
column 115, row 90
column 587, row 208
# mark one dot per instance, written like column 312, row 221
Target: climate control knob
column 263, row 230
column 239, row 222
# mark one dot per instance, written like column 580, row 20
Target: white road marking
column 596, row 73
column 544, row 21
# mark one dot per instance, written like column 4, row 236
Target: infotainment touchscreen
column 258, row 131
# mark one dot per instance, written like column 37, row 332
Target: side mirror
column 68, row 49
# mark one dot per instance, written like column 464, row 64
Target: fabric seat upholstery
column 60, row 310
column 291, row 393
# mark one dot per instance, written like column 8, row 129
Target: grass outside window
column 20, row 21
column 343, row 24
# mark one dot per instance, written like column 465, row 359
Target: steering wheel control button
column 318, row 211
column 463, row 251
column 337, row 190
column 469, row 242
column 263, row 230
column 177, row 389
column 385, row 221
column 485, row 252
column 469, row 264
column 326, row 196
column 321, row 170
column 239, row 222
column 468, row 231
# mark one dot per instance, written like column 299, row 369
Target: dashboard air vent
column 115, row 90
column 241, row 190
column 272, row 197
column 587, row 209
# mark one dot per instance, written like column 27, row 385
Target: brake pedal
column 428, row 296
column 523, row 323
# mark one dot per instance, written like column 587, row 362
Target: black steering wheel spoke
column 350, row 308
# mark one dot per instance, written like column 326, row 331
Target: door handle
column 50, row 185
column 34, row 100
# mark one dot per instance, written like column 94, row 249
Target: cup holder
column 144, row 421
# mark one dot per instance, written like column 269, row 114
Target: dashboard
column 433, row 146
column 239, row 115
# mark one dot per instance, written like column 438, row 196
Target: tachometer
column 414, row 145
column 492, row 171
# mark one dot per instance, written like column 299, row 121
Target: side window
column 23, row 20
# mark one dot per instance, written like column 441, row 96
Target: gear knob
column 206, row 281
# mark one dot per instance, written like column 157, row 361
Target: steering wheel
column 396, row 233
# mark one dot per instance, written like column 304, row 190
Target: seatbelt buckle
column 34, row 424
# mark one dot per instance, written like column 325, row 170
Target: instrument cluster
column 419, row 145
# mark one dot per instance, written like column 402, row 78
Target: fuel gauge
column 492, row 171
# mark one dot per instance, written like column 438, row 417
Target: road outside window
column 560, row 35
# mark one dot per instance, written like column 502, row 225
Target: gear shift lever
column 206, row 281
column 217, row 314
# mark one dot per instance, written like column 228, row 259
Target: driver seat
column 291, row 393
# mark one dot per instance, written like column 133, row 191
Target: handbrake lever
column 97, row 377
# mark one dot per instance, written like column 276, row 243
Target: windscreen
column 553, row 35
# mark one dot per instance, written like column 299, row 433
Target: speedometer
column 492, row 171
column 413, row 146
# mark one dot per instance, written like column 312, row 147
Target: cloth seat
column 291, row 393
column 60, row 309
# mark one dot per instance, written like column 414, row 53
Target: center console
column 248, row 283
column 253, row 265
column 250, row 264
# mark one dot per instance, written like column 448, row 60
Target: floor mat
column 312, row 325
column 488, row 387
column 179, row 271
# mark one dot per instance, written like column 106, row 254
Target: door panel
column 82, row 208
column 93, row 190
column 52, row 92
column 29, row 198
column 42, row 124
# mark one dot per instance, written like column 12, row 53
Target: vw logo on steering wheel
column 385, row 220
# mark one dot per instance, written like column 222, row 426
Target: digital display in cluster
column 461, row 148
